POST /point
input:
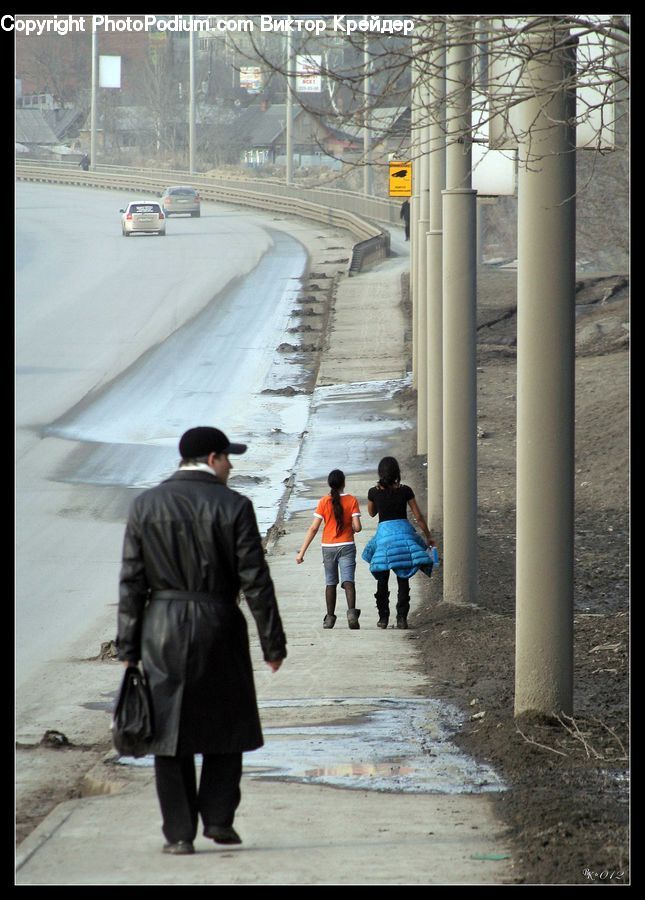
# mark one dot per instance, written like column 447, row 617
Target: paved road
column 120, row 346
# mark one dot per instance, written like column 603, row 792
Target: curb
column 43, row 832
column 100, row 780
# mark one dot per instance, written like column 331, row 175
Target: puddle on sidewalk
column 392, row 745
column 362, row 421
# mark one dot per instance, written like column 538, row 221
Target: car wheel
column 161, row 233
column 195, row 214
column 125, row 233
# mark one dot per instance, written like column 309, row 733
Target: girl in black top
column 390, row 499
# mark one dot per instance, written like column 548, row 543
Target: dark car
column 181, row 199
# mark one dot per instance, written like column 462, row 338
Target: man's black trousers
column 181, row 802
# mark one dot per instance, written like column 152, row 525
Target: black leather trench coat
column 191, row 544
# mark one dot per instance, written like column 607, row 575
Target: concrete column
column 459, row 330
column 421, row 268
column 545, row 384
column 413, row 283
column 414, row 215
column 437, row 176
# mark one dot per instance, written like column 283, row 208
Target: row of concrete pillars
column 443, row 269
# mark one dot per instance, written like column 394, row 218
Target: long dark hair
column 336, row 481
column 389, row 474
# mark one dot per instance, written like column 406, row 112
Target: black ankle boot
column 383, row 607
column 352, row 618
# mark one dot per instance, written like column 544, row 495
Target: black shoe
column 382, row 623
column 222, row 834
column 180, row 848
column 352, row 618
column 401, row 622
column 329, row 621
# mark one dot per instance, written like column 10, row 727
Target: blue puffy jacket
column 397, row 546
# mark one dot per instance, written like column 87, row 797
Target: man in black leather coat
column 191, row 545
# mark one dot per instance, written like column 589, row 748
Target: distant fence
column 349, row 210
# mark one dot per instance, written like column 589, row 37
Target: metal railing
column 349, row 210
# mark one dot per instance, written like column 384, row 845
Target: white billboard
column 595, row 94
column 308, row 77
column 494, row 171
column 110, row 71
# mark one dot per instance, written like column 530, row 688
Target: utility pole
column 94, row 97
column 191, row 101
column 367, row 138
column 546, row 378
column 289, row 115
column 459, row 328
column 437, row 141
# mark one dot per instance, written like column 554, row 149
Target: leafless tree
column 160, row 92
column 500, row 50
column 58, row 62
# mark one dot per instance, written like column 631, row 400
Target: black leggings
column 383, row 595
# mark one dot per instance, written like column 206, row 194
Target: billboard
column 110, row 71
column 251, row 79
column 308, row 77
column 595, row 86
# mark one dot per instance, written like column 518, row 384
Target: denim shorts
column 341, row 558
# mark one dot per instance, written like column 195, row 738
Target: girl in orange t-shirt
column 342, row 518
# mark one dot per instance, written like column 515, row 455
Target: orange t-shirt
column 325, row 511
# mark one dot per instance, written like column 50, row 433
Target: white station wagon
column 143, row 217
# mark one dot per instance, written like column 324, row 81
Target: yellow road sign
column 400, row 179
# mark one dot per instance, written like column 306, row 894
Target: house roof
column 260, row 127
column 31, row 128
column 60, row 120
column 384, row 121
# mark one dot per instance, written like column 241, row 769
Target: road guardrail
column 373, row 241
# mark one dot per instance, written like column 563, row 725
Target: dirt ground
column 567, row 807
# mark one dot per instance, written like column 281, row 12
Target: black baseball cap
column 203, row 440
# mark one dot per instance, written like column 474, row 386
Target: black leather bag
column 132, row 721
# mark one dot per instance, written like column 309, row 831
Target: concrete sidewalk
column 358, row 782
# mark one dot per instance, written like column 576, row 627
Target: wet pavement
column 391, row 744
column 216, row 367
